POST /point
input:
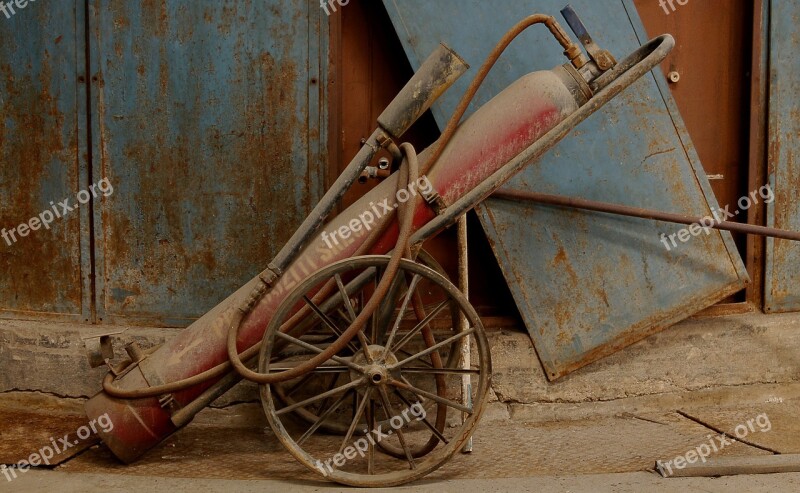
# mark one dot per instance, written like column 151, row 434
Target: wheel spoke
column 409, row 294
column 387, row 407
column 345, row 297
column 330, row 387
column 433, row 348
column 370, row 443
column 360, row 335
column 374, row 335
column 295, row 387
column 428, row 365
column 419, row 397
column 324, row 395
column 402, row 342
column 441, row 371
column 356, row 417
column 433, row 397
column 322, row 418
column 362, row 338
column 327, row 320
column 317, row 370
column 424, row 419
column 317, row 350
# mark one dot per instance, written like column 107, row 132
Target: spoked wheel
column 394, row 391
column 284, row 392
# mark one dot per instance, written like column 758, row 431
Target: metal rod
column 624, row 210
column 463, row 286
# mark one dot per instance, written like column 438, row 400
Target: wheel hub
column 376, row 368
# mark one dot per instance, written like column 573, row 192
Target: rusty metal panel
column 781, row 290
column 588, row 284
column 46, row 272
column 209, row 122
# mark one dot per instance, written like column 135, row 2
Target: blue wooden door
column 782, row 289
column 587, row 284
column 208, row 120
column 45, row 269
column 205, row 122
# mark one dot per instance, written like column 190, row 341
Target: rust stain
column 155, row 16
column 209, row 201
column 226, row 19
column 601, row 293
column 561, row 260
column 42, row 267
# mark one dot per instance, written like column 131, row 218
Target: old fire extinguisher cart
column 374, row 368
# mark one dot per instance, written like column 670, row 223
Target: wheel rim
column 381, row 396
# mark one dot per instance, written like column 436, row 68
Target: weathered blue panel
column 782, row 289
column 44, row 272
column 587, row 284
column 209, row 125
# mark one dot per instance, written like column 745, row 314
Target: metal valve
column 382, row 170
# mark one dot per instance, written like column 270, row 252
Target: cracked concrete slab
column 773, row 425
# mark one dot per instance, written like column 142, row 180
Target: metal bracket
column 100, row 350
column 166, row 401
column 435, row 201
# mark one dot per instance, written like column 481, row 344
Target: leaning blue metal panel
column 45, row 273
column 782, row 291
column 208, row 120
column 587, row 284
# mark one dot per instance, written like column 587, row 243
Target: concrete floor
column 601, row 429
column 232, row 449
